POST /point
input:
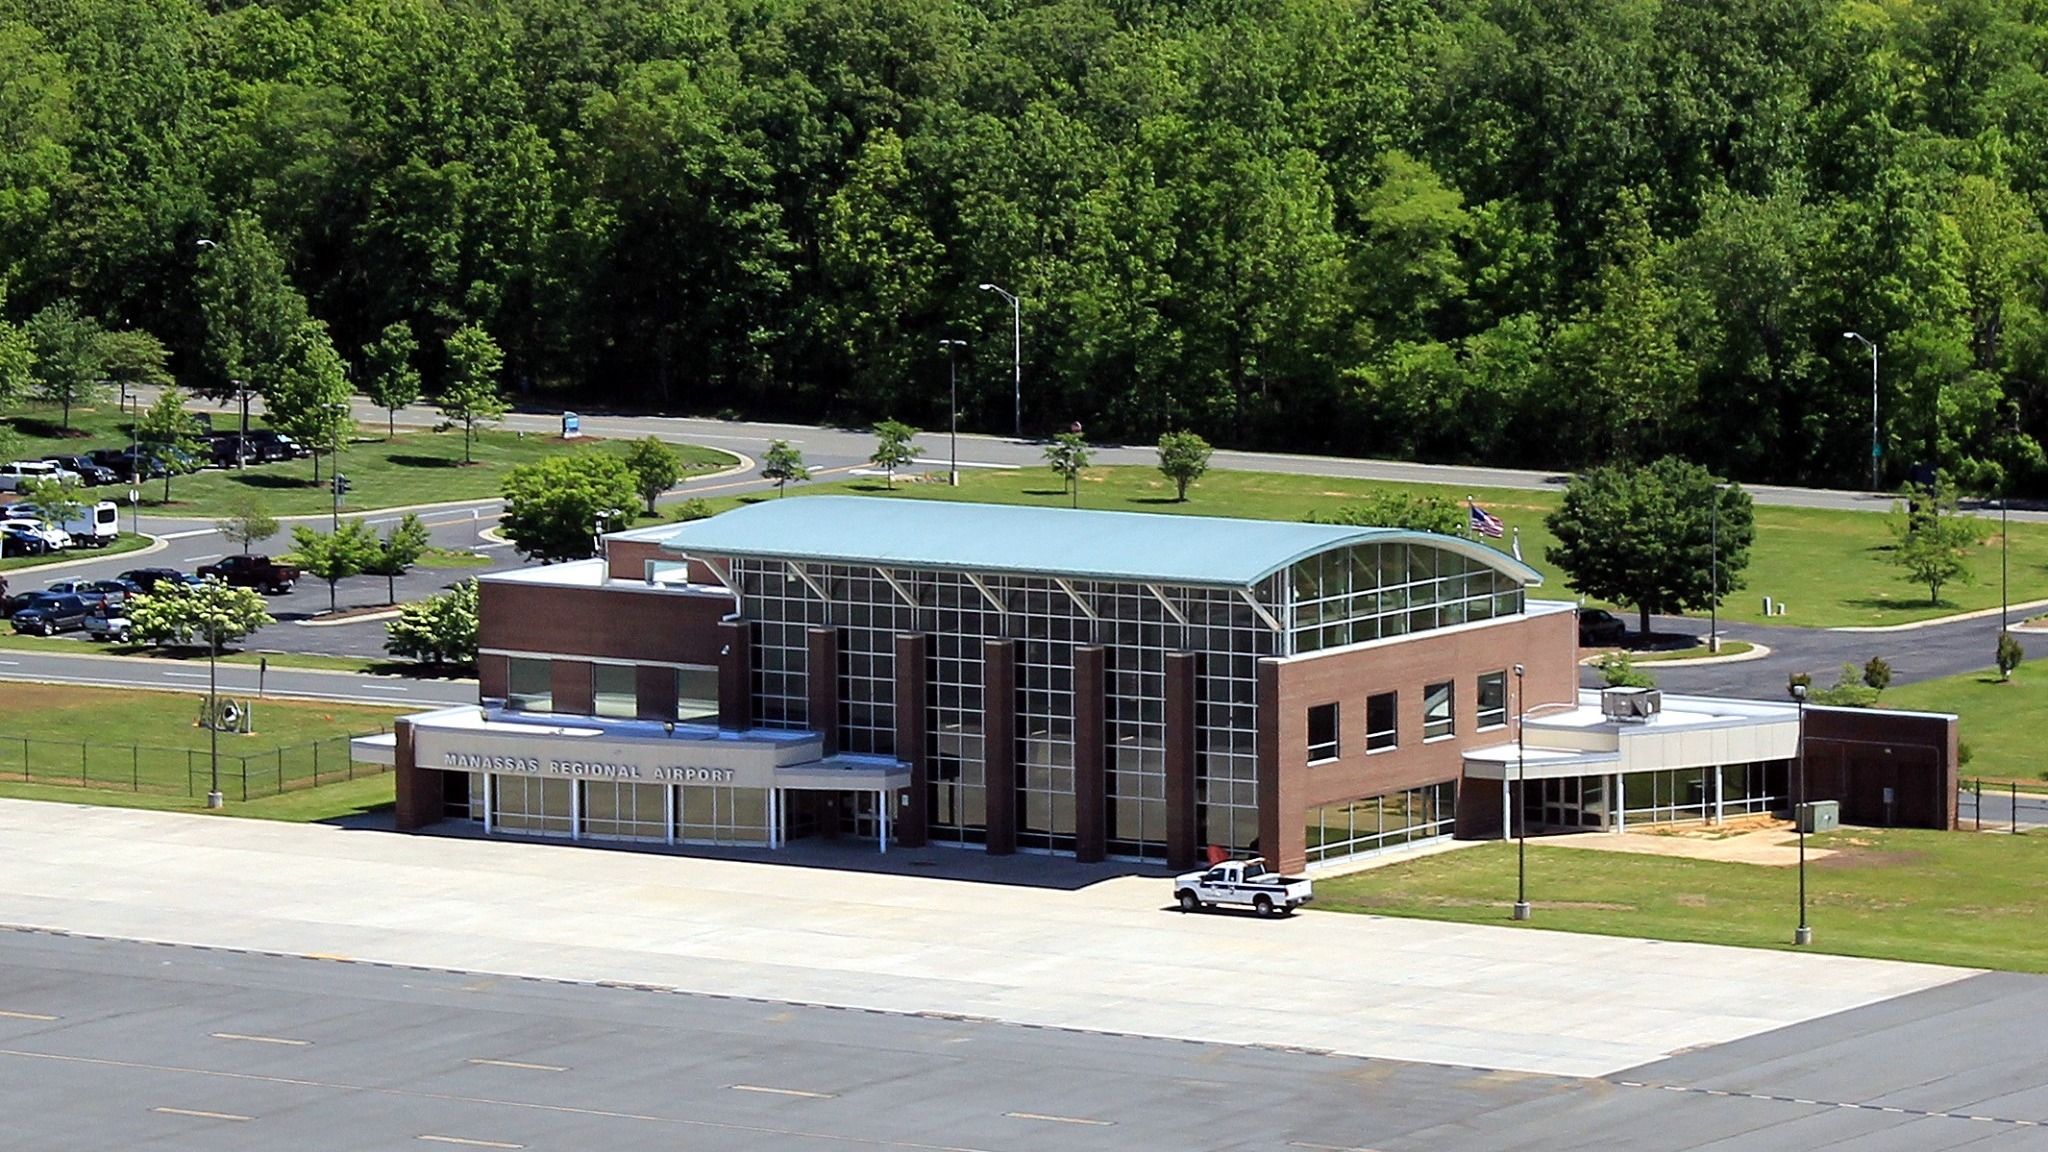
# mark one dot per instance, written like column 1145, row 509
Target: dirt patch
column 1689, row 900
column 1860, row 857
column 1563, row 905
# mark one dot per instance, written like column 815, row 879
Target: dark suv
column 49, row 613
column 91, row 473
column 1599, row 628
column 148, row 578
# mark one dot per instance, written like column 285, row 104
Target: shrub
column 1877, row 673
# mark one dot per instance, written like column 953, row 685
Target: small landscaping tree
column 1067, row 455
column 556, row 507
column 895, row 447
column 2009, row 654
column 209, row 613
column 17, row 357
column 655, row 466
column 69, row 354
column 390, row 380
column 439, row 630
column 1932, row 538
column 1617, row 670
column 1183, row 458
column 60, row 501
column 403, row 545
column 134, row 359
column 1391, row 509
column 247, row 523
column 471, row 397
column 783, row 464
column 1848, row 690
column 166, row 425
column 310, row 400
column 695, row 508
column 335, row 556
column 1644, row 535
column 1877, row 672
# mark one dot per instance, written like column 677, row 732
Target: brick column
column 821, row 686
column 1180, row 759
column 419, row 789
column 1279, row 782
column 569, row 684
column 735, row 676
column 494, row 676
column 654, row 692
column 912, row 819
column 999, row 742
column 1091, row 825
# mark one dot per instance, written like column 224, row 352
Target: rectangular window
column 1436, row 711
column 697, row 695
column 1322, row 733
column 614, row 691
column 1381, row 722
column 529, row 687
column 1493, row 700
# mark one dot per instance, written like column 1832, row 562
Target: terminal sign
column 587, row 769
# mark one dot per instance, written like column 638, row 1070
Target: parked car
column 113, row 593
column 21, row 542
column 48, row 613
column 130, row 465
column 227, row 449
column 20, row 472
column 109, row 625
column 1599, row 628
column 1244, row 884
column 253, row 572
column 274, row 445
column 56, row 539
column 91, row 472
column 95, row 526
column 147, row 579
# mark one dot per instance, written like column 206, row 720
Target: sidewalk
column 1107, row 957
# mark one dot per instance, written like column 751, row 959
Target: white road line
column 202, row 559
column 519, row 1064
column 382, row 688
column 188, row 534
column 185, row 675
column 260, row 1039
column 1327, row 1147
column 783, row 1091
column 11, row 663
column 1059, row 1119
column 468, row 1143
column 201, row 1115
column 24, row 1015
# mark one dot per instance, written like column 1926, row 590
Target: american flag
column 1485, row 523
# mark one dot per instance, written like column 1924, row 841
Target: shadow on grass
column 1045, row 492
column 1880, row 604
column 1166, row 500
column 409, row 460
column 272, row 481
column 47, row 429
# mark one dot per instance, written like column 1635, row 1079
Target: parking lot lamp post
column 1872, row 345
column 1522, row 816
column 952, row 348
column 1803, row 935
column 2004, row 585
column 1016, row 354
column 213, row 797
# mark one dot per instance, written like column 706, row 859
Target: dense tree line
column 1543, row 232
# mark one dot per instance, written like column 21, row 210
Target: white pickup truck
column 1244, row 883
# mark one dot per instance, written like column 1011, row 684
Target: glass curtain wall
column 1375, row 823
column 1047, row 627
column 782, row 610
column 960, row 619
column 869, row 613
column 1371, row 591
column 533, row 805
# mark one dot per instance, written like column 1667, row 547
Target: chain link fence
column 188, row 772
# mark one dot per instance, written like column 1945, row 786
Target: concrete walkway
column 1105, row 957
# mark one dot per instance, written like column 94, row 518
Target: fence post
column 83, row 767
column 24, row 759
column 280, row 770
column 188, row 773
column 1978, row 785
column 2015, row 785
column 135, row 767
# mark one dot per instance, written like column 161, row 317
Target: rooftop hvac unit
column 1631, row 705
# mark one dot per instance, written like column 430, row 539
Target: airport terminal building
column 1096, row 684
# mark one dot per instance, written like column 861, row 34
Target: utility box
column 572, row 426
column 1820, row 816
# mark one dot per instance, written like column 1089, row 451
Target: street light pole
column 1521, row 802
column 1872, row 345
column 1714, row 573
column 952, row 348
column 2004, row 584
column 213, row 796
column 1016, row 354
column 1803, row 935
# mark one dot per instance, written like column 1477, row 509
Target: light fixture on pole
column 1874, row 450
column 1521, row 803
column 952, row 348
column 1016, row 354
column 1803, row 935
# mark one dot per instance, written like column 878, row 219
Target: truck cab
column 1244, row 884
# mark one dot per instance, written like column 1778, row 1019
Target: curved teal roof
column 1130, row 546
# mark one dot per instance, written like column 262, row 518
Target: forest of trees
column 1534, row 232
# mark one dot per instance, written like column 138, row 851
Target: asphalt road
column 114, row 1044
column 1915, row 654
column 235, row 679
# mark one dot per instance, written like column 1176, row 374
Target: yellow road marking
column 520, row 1064
column 783, row 1091
column 469, row 1143
column 201, row 1115
column 24, row 1015
column 1058, row 1119
column 260, row 1039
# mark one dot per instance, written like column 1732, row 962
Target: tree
column 2009, row 654
column 895, row 447
column 1931, row 538
column 783, row 464
column 17, row 356
column 209, row 613
column 60, row 501
column 1067, row 455
column 1183, row 458
column 403, row 545
column 556, row 507
column 471, row 397
column 247, row 523
column 251, row 309
column 167, row 427
column 439, row 630
column 1644, row 535
column 1848, row 690
column 390, row 379
column 69, row 351
column 1618, row 670
column 1877, row 673
column 335, row 556
column 1387, row 508
column 655, row 466
column 131, row 359
column 309, row 395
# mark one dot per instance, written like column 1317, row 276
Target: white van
column 96, row 525
column 13, row 475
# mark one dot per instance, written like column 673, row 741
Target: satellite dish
column 230, row 715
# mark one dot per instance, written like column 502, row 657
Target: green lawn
column 362, row 795
column 126, row 542
column 1939, row 897
column 419, row 467
column 1830, row 567
column 151, row 741
column 311, row 661
column 1696, row 652
column 2001, row 722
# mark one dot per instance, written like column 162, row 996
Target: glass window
column 1493, row 700
column 1377, row 822
column 1322, row 732
column 614, row 690
column 1437, row 718
column 1381, row 722
column 530, row 686
column 696, row 694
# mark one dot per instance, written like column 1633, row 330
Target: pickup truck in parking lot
column 1244, row 884
column 260, row 572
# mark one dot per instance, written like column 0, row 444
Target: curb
column 1958, row 618
column 392, row 614
column 249, row 651
column 156, row 544
column 1756, row 652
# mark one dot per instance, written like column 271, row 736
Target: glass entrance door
column 866, row 809
column 1571, row 802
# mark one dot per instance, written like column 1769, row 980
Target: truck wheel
column 124, row 636
column 1188, row 902
column 1263, row 905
